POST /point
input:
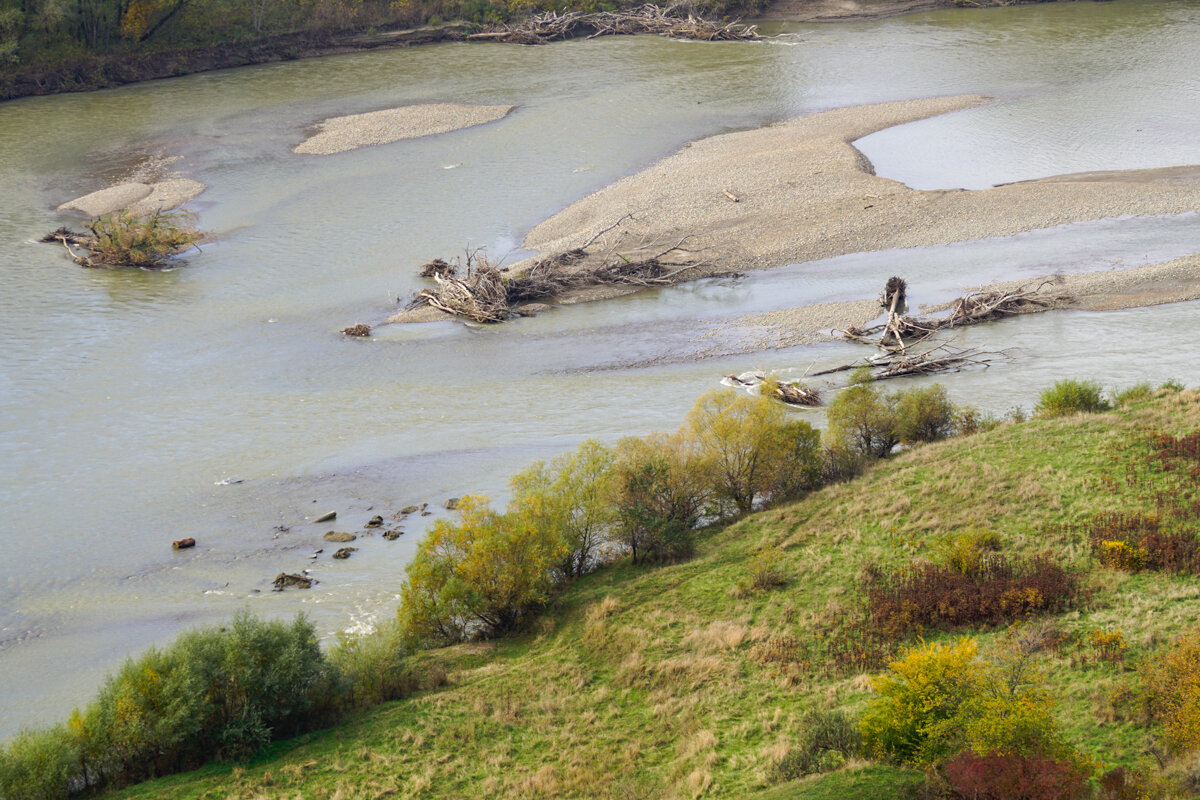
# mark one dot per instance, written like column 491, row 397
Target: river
column 219, row 401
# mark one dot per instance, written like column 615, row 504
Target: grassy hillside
column 660, row 682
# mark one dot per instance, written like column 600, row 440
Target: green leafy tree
column 863, row 421
column 659, row 490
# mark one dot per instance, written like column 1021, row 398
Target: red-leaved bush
column 936, row 596
column 1013, row 777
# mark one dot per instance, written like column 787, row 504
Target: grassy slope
column 640, row 682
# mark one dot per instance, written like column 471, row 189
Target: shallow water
column 218, row 400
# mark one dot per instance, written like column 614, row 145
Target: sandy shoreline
column 341, row 134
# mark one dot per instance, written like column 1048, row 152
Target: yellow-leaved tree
column 571, row 496
column 483, row 572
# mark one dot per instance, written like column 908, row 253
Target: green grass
column 642, row 682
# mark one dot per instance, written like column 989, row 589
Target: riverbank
column 104, row 71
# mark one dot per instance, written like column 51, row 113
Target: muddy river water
column 218, row 400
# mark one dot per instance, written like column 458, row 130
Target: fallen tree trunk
column 940, row 359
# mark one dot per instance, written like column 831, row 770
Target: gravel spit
column 339, row 134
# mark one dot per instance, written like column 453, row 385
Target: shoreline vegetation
column 739, row 606
column 47, row 49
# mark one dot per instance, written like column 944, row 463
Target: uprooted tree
column 127, row 240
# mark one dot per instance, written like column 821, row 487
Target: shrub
column 938, row 596
column 125, row 240
column 374, row 666
column 483, row 573
column 827, row 740
column 763, row 573
column 1070, row 397
column 966, row 551
column 1133, row 541
column 572, row 497
column 39, row 765
column 1173, row 685
column 941, row 700
column 659, row 493
column 921, row 691
column 925, row 415
column 1133, row 394
column 1006, row 776
column 862, row 420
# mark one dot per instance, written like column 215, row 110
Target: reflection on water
column 128, row 397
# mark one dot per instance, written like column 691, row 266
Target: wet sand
column 341, row 134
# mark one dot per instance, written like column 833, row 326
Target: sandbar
column 137, row 198
column 340, row 134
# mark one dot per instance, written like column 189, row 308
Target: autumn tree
column 482, row 572
column 570, row 496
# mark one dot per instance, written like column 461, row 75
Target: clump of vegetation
column 763, row 573
column 1070, row 396
column 828, row 739
column 1174, row 694
column 980, row 591
column 122, row 239
column 869, row 423
column 214, row 693
column 483, row 573
column 941, row 703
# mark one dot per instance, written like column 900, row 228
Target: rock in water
column 375, row 522
column 285, row 580
column 338, row 536
column 452, row 503
column 327, row 517
column 345, row 552
column 357, row 330
column 393, row 535
column 410, row 509
column 183, row 544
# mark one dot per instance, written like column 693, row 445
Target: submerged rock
column 452, row 503
column 338, row 536
column 410, row 509
column 393, row 535
column 345, row 552
column 286, row 580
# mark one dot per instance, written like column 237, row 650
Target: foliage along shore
column 1033, row 586
column 52, row 47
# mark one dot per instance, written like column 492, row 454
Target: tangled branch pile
column 553, row 26
column 969, row 310
column 487, row 295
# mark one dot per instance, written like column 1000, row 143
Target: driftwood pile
column 671, row 21
column 900, row 331
column 486, row 294
column 793, row 393
column 935, row 360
